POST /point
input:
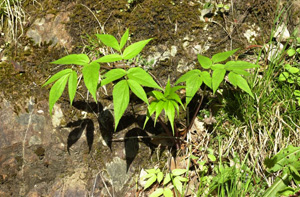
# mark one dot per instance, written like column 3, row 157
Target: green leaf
column 242, row 83
column 150, row 181
column 211, row 157
column 297, row 93
column 217, row 66
column 279, row 184
column 178, row 185
column 286, row 191
column 192, row 86
column 57, row 76
column 159, row 107
column 219, row 57
column 109, row 58
column 205, row 62
column 134, row 49
column 158, row 192
column 175, row 97
column 160, row 177
column 79, row 59
column 168, row 192
column 232, row 77
column 182, row 179
column 120, row 100
column 286, row 156
column 239, row 65
column 138, row 90
column 167, row 89
column 188, row 75
column 150, row 110
column 151, row 171
column 113, row 75
column 206, row 79
column 167, row 179
column 283, row 76
column 291, row 52
column 91, row 77
column 142, row 77
column 56, row 91
column 241, row 72
column 170, row 112
column 124, row 39
column 109, row 41
column 292, row 69
column 217, row 77
column 72, row 86
column 177, row 172
column 158, row 95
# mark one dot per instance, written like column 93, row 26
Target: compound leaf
column 120, row 100
column 90, row 77
column 217, row 77
column 124, row 39
column 109, row 58
column 109, row 41
column 113, row 75
column 72, row 86
column 142, row 77
column 57, row 76
column 219, row 57
column 137, row 89
column 79, row 59
column 205, row 62
column 134, row 49
column 56, row 91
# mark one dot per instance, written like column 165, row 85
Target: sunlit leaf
column 158, row 192
column 134, row 49
column 291, row 52
column 241, row 65
column 109, row 58
column 167, row 179
column 205, row 62
column 138, row 90
column 158, row 95
column 91, row 76
column 158, row 110
column 217, row 77
column 79, row 59
column 178, row 185
column 232, row 77
column 177, row 172
column 283, row 76
column 56, row 91
column 206, row 79
column 242, row 83
column 241, row 72
column 190, row 74
column 112, row 75
column 72, row 86
column 170, row 112
column 219, row 57
column 150, row 181
column 142, row 77
column 151, row 109
column 109, row 41
column 124, row 39
column 120, row 100
column 168, row 192
column 192, row 86
column 57, row 76
column 160, row 177
column 217, row 66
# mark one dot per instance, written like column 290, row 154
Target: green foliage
column 133, row 79
column 175, row 178
column 286, row 161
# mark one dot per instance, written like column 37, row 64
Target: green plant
column 174, row 177
column 126, row 79
column 286, row 161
